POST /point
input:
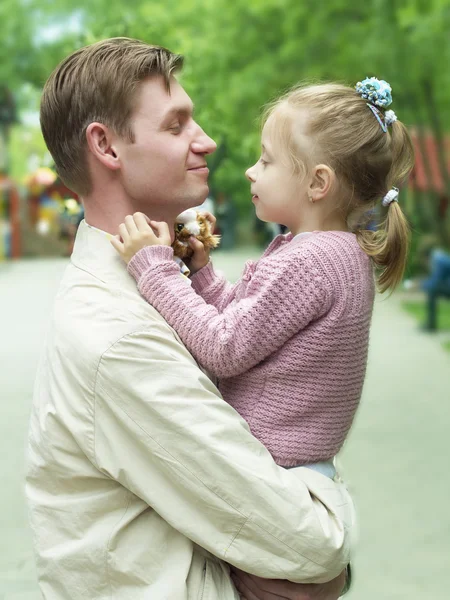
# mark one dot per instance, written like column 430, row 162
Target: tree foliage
column 241, row 54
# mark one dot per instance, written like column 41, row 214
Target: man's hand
column 138, row 232
column 251, row 587
column 200, row 258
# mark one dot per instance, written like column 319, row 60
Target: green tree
column 239, row 55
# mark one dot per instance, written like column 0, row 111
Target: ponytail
column 389, row 245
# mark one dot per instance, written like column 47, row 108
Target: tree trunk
column 428, row 92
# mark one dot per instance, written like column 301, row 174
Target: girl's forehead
column 270, row 123
column 277, row 130
column 271, row 131
column 265, row 137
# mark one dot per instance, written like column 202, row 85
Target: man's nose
column 203, row 144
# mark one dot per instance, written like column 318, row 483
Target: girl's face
column 278, row 193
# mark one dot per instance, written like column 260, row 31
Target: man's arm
column 163, row 432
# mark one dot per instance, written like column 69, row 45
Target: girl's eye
column 262, row 161
column 175, row 128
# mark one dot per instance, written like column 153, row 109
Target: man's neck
column 108, row 217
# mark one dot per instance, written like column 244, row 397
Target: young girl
column 288, row 342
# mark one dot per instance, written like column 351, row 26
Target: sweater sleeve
column 213, row 287
column 284, row 296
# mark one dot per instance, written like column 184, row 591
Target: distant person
column 437, row 284
column 289, row 341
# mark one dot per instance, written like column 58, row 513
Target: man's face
column 164, row 169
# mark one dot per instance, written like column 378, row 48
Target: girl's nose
column 250, row 174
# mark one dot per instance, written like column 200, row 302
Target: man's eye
column 262, row 161
column 176, row 128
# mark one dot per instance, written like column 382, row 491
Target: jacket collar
column 94, row 254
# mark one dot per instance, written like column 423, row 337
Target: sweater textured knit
column 288, row 342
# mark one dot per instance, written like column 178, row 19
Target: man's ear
column 100, row 142
column 322, row 181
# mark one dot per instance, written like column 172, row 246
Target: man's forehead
column 179, row 108
column 163, row 102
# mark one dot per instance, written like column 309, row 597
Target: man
column 142, row 482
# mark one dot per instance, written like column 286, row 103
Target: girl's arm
column 214, row 287
column 282, row 298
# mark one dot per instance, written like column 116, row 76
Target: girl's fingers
column 195, row 244
column 161, row 228
column 124, row 233
column 200, row 257
column 117, row 244
column 138, row 231
column 141, row 221
column 197, row 247
column 131, row 225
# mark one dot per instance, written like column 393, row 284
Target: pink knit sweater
column 288, row 342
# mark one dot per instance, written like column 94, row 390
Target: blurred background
column 240, row 55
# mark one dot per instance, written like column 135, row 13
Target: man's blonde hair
column 345, row 134
column 96, row 83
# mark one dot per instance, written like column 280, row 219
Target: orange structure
column 10, row 242
column 427, row 175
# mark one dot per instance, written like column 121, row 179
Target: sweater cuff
column 149, row 256
column 203, row 278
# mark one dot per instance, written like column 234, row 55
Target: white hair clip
column 391, row 196
column 390, row 117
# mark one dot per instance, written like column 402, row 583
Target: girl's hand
column 138, row 232
column 200, row 258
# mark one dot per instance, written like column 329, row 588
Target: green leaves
column 243, row 53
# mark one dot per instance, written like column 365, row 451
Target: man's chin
column 196, row 199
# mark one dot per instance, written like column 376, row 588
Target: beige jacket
column 142, row 482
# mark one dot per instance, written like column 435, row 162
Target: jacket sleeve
column 213, row 287
column 163, row 431
column 284, row 297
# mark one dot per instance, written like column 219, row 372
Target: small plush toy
column 191, row 222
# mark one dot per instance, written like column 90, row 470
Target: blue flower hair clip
column 376, row 91
column 379, row 94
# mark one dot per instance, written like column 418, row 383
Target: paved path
column 396, row 460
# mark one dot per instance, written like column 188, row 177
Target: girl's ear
column 100, row 142
column 322, row 180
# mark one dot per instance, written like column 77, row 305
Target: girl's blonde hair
column 345, row 134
